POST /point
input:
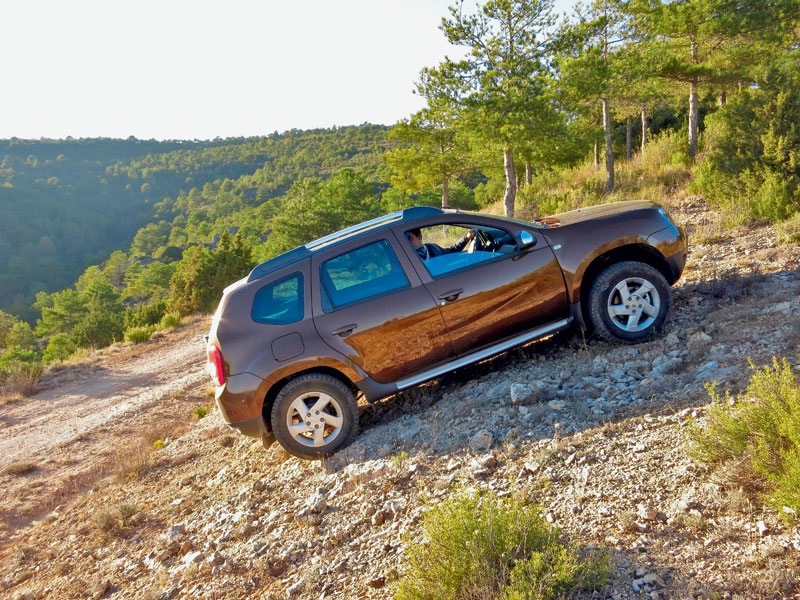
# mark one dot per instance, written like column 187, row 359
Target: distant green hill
column 67, row 204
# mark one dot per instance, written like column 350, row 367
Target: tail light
column 214, row 364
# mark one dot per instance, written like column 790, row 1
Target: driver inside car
column 429, row 250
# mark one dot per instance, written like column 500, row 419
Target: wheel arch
column 633, row 252
column 274, row 390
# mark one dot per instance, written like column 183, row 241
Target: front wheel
column 629, row 302
column 314, row 415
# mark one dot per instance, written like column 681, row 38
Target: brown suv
column 404, row 298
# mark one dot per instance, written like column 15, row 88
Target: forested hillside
column 67, row 204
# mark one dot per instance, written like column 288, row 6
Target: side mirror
column 525, row 240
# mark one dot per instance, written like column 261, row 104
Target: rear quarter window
column 279, row 302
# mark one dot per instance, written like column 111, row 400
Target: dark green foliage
column 141, row 315
column 315, row 209
column 7, row 321
column 16, row 354
column 59, row 348
column 189, row 284
column 61, row 209
column 753, row 164
column 61, row 311
column 202, row 274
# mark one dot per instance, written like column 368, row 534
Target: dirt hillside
column 117, row 484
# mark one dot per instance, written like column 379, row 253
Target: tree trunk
column 693, row 108
column 596, row 153
column 511, row 183
column 609, row 145
column 645, row 127
column 693, row 118
column 529, row 170
column 628, row 137
column 723, row 98
column 446, row 194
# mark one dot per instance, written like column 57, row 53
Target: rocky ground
column 147, row 500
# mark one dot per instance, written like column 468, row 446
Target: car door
column 373, row 308
column 486, row 301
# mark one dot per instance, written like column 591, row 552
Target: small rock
column 763, row 529
column 653, row 579
column 647, row 513
column 176, row 531
column 101, row 589
column 482, row 441
column 532, row 466
column 192, row 557
column 698, row 340
column 295, row 588
column 520, row 392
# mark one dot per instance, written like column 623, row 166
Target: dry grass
column 9, row 396
column 132, row 461
column 22, row 380
column 117, row 521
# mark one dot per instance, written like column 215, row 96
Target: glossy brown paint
column 412, row 332
column 583, row 237
column 395, row 334
column 502, row 298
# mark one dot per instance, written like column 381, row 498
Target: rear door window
column 360, row 274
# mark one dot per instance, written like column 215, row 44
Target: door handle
column 450, row 296
column 344, row 330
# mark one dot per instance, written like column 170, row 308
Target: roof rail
column 408, row 213
column 421, row 211
column 277, row 262
column 300, row 252
column 353, row 229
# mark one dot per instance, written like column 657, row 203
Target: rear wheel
column 629, row 302
column 314, row 415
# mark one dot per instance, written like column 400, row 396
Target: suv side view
column 399, row 300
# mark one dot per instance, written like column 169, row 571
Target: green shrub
column 761, row 429
column 138, row 335
column 16, row 354
column 59, row 348
column 143, row 315
column 483, row 546
column 170, row 320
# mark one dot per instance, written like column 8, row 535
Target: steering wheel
column 476, row 243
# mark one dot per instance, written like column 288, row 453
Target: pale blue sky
column 200, row 69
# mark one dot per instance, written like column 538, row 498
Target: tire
column 314, row 416
column 629, row 302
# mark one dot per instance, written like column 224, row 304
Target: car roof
column 301, row 252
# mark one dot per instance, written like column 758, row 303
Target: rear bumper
column 254, row 428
